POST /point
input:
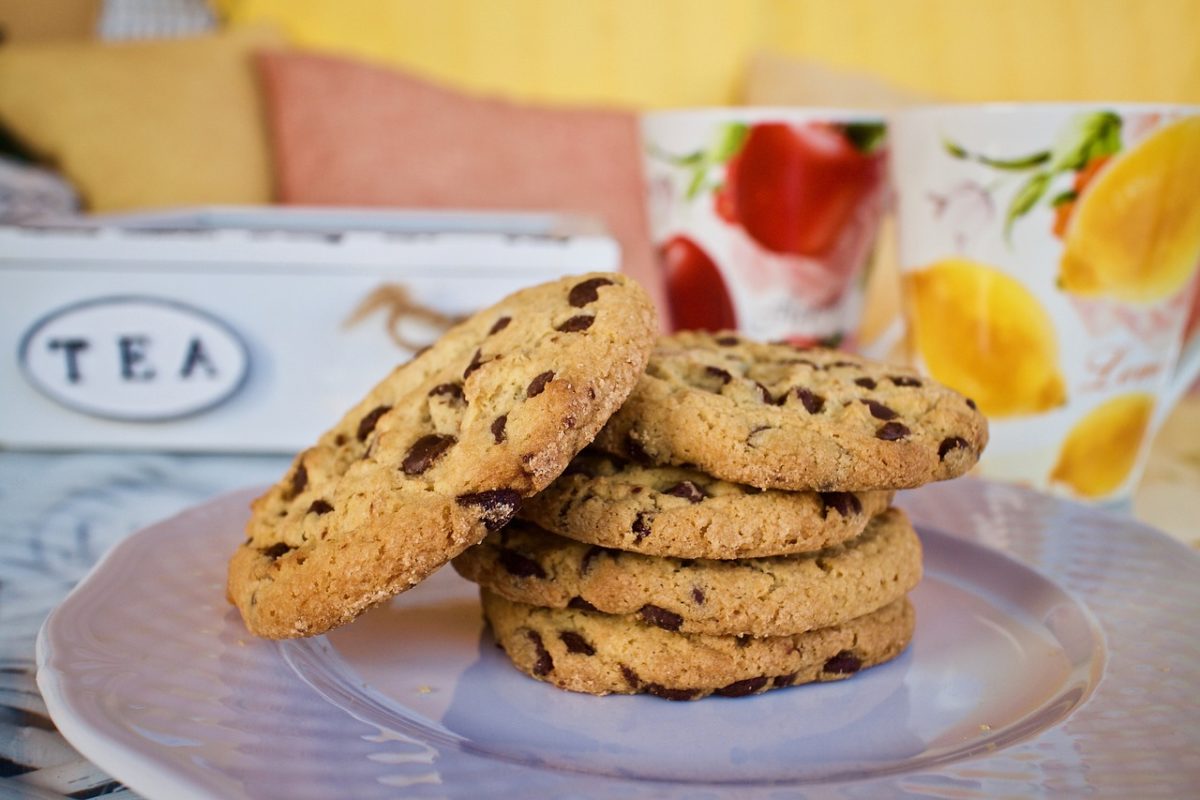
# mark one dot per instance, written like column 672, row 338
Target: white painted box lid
column 230, row 329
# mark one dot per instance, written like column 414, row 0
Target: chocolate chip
column 576, row 643
column 698, row 595
column 845, row 503
column 497, row 506
column 687, row 490
column 785, row 680
column 667, row 620
column 367, row 423
column 641, row 525
column 728, row 341
column 451, row 390
column 476, row 363
column 813, row 402
column 425, row 451
column 866, row 383
column 659, row 690
column 630, row 676
column 319, row 507
column 903, row 380
column 500, row 325
column 538, row 384
column 521, row 566
column 579, row 604
column 833, row 364
column 891, row 431
column 276, row 550
column 576, row 324
column 844, row 663
column 879, row 410
column 299, row 480
column 971, row 404
column 743, row 688
column 586, row 292
column 634, row 449
column 720, row 374
column 544, row 664
column 498, row 428
column 340, row 439
column 950, row 443
column 764, row 393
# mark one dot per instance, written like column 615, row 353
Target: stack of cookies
column 731, row 529
column 728, row 530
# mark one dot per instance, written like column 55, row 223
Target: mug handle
column 1187, row 368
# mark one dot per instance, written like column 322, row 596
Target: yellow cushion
column 146, row 124
column 694, row 52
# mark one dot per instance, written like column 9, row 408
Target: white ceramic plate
column 1056, row 652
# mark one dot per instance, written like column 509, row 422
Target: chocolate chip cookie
column 672, row 511
column 785, row 417
column 753, row 596
column 442, row 451
column 585, row 651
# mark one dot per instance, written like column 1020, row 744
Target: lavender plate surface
column 1057, row 652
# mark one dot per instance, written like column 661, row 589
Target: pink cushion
column 349, row 133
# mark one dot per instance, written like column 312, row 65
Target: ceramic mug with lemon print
column 1050, row 257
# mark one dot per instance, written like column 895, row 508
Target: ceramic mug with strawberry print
column 1050, row 256
column 765, row 219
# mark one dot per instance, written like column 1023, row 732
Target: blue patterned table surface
column 58, row 514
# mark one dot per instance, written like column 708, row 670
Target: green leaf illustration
column 697, row 184
column 955, row 150
column 1017, row 164
column 866, row 137
column 1062, row 198
column 1026, row 198
column 699, row 164
column 729, row 140
column 1086, row 137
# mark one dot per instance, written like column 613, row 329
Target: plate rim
column 152, row 777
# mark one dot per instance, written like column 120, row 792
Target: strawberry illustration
column 792, row 188
column 696, row 292
column 795, row 187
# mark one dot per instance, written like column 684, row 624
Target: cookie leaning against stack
column 440, row 452
column 737, row 538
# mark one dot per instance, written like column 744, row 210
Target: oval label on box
column 137, row 359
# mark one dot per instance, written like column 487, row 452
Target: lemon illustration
column 1101, row 449
column 984, row 334
column 1135, row 234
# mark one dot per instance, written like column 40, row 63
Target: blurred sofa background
column 118, row 105
column 122, row 100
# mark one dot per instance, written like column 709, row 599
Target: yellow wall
column 690, row 52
